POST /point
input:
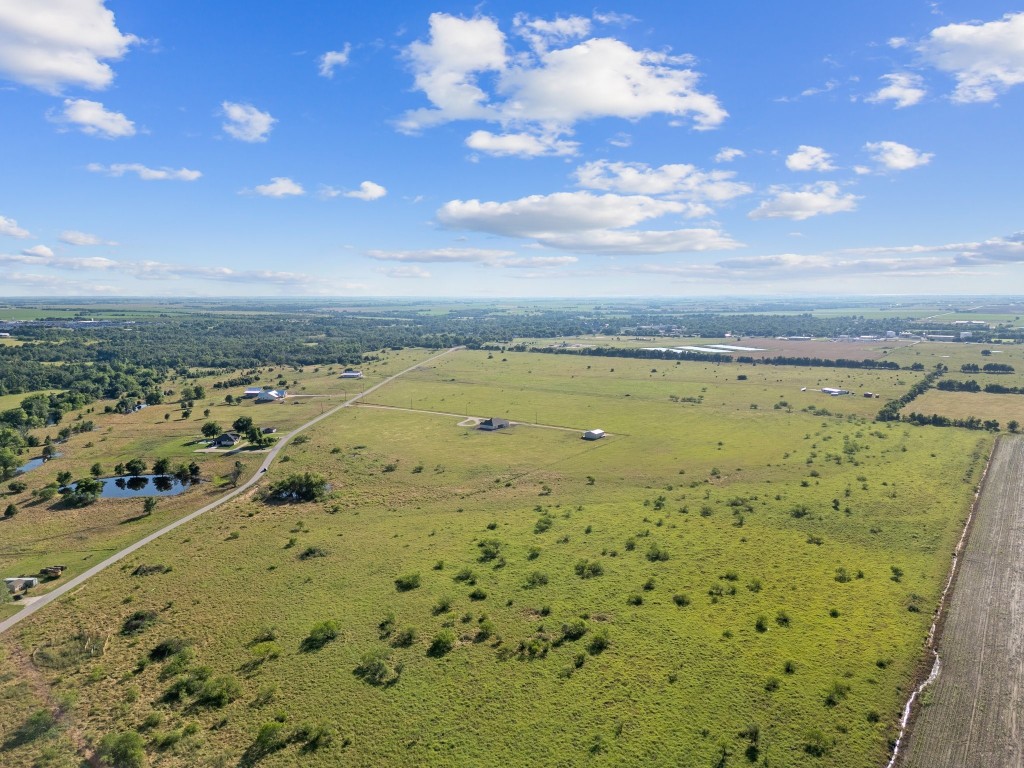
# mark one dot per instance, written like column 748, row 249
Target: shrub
column 533, row 553
column 218, row 691
column 681, row 600
column 782, row 619
column 489, row 549
column 771, row 684
column 789, row 667
column 320, row 635
column 761, row 625
column 404, row 637
column 407, row 582
column 478, row 594
column 599, row 642
column 635, row 599
column 574, row 630
column 630, row 545
column 443, row 642
column 656, row 554
column 167, row 648
column 311, row 552
column 377, row 667
column 588, row 569
column 270, row 738
column 465, row 575
column 40, row 723
column 543, row 524
column 816, row 744
column 536, row 579
column 836, row 694
column 442, row 606
column 122, row 750
column 842, row 576
column 137, row 622
column 296, row 488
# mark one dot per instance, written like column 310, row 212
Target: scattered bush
column 138, row 621
column 377, row 667
column 599, row 642
column 311, row 552
column 588, row 569
column 536, row 579
column 407, row 582
column 320, row 635
column 635, row 599
column 443, row 642
column 122, row 750
column 218, row 691
column 681, row 600
column 465, row 575
column 478, row 594
column 656, row 554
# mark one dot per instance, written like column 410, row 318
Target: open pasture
column 586, row 392
column 708, row 581
column 962, row 405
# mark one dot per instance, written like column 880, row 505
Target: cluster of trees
column 971, row 422
column 949, row 385
column 986, row 368
column 244, row 426
column 891, row 410
column 307, row 486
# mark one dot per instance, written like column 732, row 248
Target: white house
column 252, row 391
column 834, row 392
column 350, row 374
column 271, row 396
column 593, row 434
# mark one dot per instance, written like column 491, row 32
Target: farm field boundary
column 968, row 714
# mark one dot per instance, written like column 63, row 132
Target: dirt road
column 49, row 597
column 974, row 712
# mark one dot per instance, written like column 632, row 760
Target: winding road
column 66, row 587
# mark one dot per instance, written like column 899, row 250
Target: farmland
column 741, row 569
column 970, row 717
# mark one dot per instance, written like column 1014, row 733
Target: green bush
column 407, row 582
column 377, row 667
column 681, row 600
column 536, row 579
column 443, row 642
column 588, row 569
column 138, row 621
column 320, row 635
column 599, row 642
column 122, row 750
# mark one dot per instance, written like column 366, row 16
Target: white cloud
column 621, row 139
column 829, row 85
column 443, row 255
column 48, row 45
column 41, row 251
column 408, row 271
column 986, row 59
column 678, row 180
column 896, row 42
column 897, row 157
column 519, row 144
column 810, row 200
column 368, row 190
column 808, row 158
column 10, row 228
column 246, row 123
column 144, row 173
column 541, row 34
column 73, row 237
column 904, row 88
column 728, row 154
column 548, row 89
column 93, row 118
column 334, row 59
column 534, row 262
column 861, row 170
column 280, row 186
column 584, row 222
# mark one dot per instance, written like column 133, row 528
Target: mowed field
column 960, row 405
column 45, row 533
column 712, row 582
column 971, row 717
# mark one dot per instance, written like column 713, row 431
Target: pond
column 143, row 485
column 31, row 464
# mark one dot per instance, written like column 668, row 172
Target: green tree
column 211, row 429
column 10, row 512
column 236, row 473
column 149, row 505
column 63, row 478
column 242, row 424
column 1013, row 425
column 135, row 467
column 96, row 469
column 162, row 467
column 122, row 750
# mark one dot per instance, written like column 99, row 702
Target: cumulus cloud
column 584, row 222
column 145, row 173
column 520, row 144
column 728, row 154
column 548, row 88
column 808, row 158
column 985, row 59
column 42, row 251
column 368, row 190
column 904, row 88
column 280, row 186
column 245, row 122
column 897, row 157
column 541, row 34
column 334, row 59
column 73, row 237
column 49, row 45
column 10, row 228
column 808, row 201
column 93, row 118
column 680, row 181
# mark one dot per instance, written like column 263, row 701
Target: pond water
column 31, row 464
column 143, row 485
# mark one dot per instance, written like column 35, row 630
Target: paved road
column 67, row 586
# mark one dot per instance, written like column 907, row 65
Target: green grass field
column 746, row 560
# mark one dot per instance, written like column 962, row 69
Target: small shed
column 16, row 584
column 593, row 434
column 351, row 374
column 494, row 423
column 269, row 430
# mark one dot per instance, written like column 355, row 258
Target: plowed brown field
column 974, row 712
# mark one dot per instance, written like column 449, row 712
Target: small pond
column 143, row 485
column 31, row 464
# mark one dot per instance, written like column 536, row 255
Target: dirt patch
column 970, row 714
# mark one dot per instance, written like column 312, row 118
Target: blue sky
column 510, row 149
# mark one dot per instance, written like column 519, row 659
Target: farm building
column 494, row 423
column 18, row 584
column 351, row 374
column 269, row 430
column 593, row 434
column 271, row 396
column 227, row 440
column 834, row 392
column 53, row 571
column 252, row 391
